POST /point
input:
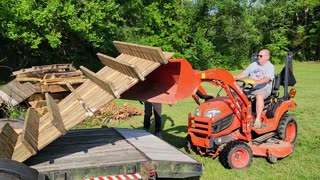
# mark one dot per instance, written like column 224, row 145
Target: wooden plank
column 8, row 139
column 31, row 131
column 143, row 51
column 21, row 152
column 8, row 99
column 74, row 92
column 53, row 88
column 123, row 67
column 28, row 79
column 29, row 88
column 55, row 115
column 107, row 86
column 44, row 68
column 27, row 143
column 14, row 92
column 143, row 65
column 11, row 94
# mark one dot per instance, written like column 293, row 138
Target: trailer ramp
column 99, row 152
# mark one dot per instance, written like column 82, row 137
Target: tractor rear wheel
column 287, row 129
column 189, row 147
column 236, row 155
column 14, row 170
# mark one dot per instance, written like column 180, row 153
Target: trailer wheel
column 287, row 129
column 236, row 155
column 189, row 147
column 14, row 170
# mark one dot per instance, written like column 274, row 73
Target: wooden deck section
column 103, row 149
column 8, row 139
column 14, row 92
column 120, row 73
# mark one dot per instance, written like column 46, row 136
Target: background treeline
column 209, row 33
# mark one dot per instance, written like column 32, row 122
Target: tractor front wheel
column 189, row 147
column 287, row 129
column 236, row 155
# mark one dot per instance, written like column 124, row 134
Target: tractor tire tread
column 284, row 121
column 17, row 169
column 224, row 156
column 189, row 147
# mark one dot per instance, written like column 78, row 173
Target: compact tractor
column 222, row 125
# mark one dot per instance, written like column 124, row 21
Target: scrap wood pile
column 119, row 74
column 113, row 113
column 50, row 78
column 31, row 84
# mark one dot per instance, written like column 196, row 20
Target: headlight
column 198, row 112
column 212, row 113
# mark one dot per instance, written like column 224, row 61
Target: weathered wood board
column 14, row 92
column 8, row 139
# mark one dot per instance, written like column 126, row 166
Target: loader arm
column 240, row 104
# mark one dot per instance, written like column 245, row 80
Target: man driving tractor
column 261, row 73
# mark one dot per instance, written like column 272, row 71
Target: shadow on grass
column 168, row 134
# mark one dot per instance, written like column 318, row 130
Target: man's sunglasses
column 259, row 56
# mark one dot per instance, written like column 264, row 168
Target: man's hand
column 250, row 81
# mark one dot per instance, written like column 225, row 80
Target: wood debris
column 114, row 113
column 53, row 79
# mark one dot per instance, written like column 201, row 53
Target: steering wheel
column 246, row 85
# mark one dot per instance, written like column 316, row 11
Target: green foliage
column 209, row 33
column 16, row 112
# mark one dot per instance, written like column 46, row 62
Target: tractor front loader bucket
column 168, row 84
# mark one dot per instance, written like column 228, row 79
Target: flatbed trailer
column 103, row 152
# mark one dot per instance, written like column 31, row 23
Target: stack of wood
column 132, row 66
column 54, row 79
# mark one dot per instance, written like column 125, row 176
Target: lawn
column 304, row 163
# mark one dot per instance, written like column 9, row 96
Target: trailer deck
column 87, row 153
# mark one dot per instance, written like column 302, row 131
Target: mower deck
column 273, row 146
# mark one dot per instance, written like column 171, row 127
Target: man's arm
column 262, row 81
column 240, row 76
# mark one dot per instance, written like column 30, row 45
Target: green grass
column 304, row 163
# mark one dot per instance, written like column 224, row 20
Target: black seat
column 276, row 83
column 275, row 89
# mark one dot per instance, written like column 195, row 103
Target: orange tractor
column 222, row 125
